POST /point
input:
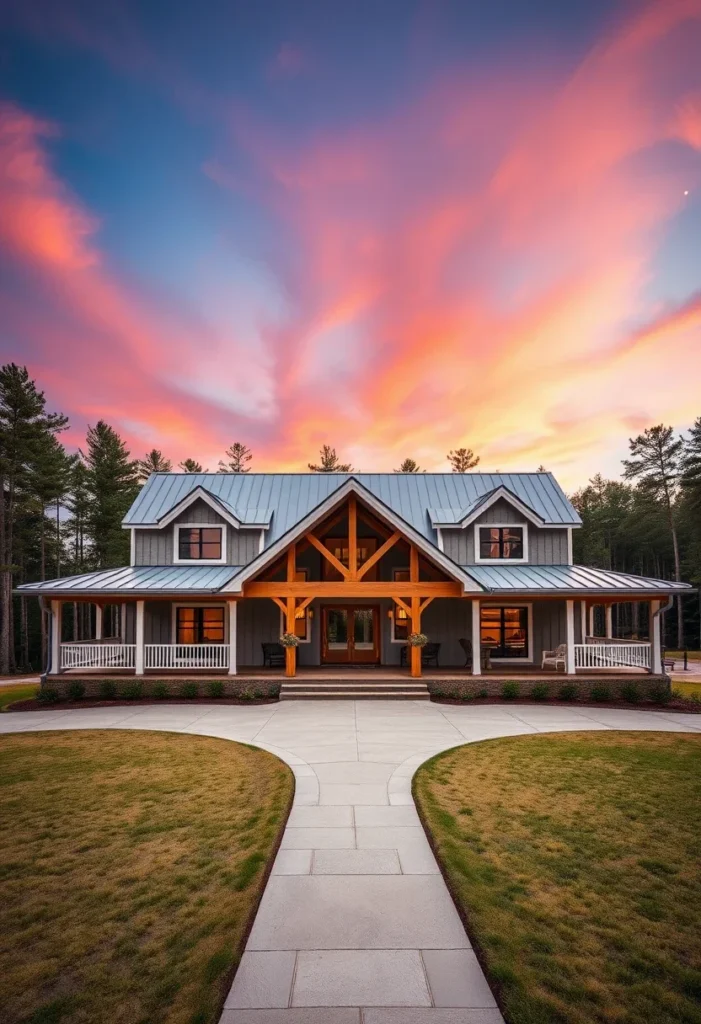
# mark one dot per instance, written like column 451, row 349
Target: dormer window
column 501, row 543
column 200, row 543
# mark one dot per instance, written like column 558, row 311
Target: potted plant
column 417, row 639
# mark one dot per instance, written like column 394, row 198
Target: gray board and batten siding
column 156, row 547
column 545, row 547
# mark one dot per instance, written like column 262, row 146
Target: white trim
column 501, row 526
column 439, row 537
column 498, row 493
column 194, row 603
column 583, row 620
column 476, row 637
column 505, row 603
column 201, row 494
column 235, row 585
column 132, row 546
column 656, row 666
column 609, row 621
column 98, row 622
column 200, row 526
column 233, row 608
column 139, row 638
column 570, row 547
column 261, row 541
column 56, row 609
column 569, row 627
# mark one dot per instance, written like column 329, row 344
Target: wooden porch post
column 476, row 638
column 569, row 662
column 415, row 628
column 290, row 652
column 655, row 639
column 609, row 621
column 56, row 619
column 233, row 605
column 98, row 621
column 139, row 638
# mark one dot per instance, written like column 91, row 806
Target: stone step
column 351, row 694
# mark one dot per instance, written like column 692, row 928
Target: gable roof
column 259, row 517
column 292, row 496
column 463, row 517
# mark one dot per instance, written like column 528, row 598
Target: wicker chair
column 273, row 655
column 555, row 658
column 466, row 645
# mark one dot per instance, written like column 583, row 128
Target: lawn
column 574, row 860
column 131, row 866
column 25, row 691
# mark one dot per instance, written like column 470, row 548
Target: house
column 352, row 564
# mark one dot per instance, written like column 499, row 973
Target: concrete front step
column 375, row 694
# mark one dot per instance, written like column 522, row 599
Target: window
column 199, row 543
column 401, row 625
column 506, row 632
column 199, row 625
column 303, row 625
column 501, row 542
column 338, row 546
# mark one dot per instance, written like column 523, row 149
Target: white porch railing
column 614, row 654
column 165, row 656
column 98, row 654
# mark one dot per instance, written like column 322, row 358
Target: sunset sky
column 397, row 226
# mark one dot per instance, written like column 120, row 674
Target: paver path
column 356, row 925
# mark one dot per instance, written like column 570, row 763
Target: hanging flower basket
column 417, row 639
column 289, row 640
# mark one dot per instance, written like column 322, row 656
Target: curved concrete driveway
column 356, row 925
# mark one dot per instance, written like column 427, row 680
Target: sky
column 395, row 227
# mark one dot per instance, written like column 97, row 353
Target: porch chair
column 555, row 658
column 429, row 654
column 466, row 645
column 273, row 655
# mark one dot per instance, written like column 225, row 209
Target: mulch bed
column 691, row 706
column 72, row 705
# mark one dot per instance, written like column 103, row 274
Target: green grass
column 131, row 864
column 692, row 655
column 575, row 862
column 8, row 694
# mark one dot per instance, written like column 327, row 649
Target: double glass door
column 350, row 634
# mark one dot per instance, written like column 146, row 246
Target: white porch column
column 98, row 621
column 591, row 620
column 232, row 638
column 609, row 621
column 569, row 663
column 655, row 639
column 56, row 617
column 583, row 620
column 139, row 660
column 476, row 638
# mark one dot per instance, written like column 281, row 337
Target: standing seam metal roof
column 163, row 578
column 564, row 578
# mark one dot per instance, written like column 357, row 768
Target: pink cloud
column 288, row 62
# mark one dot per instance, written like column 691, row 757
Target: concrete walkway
column 356, row 925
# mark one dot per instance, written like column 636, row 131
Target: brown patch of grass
column 131, row 864
column 574, row 860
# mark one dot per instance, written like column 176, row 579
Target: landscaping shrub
column 630, row 693
column 108, row 689
column 510, row 691
column 466, row 695
column 132, row 691
column 540, row 691
column 76, row 690
column 215, row 688
column 160, row 691
column 600, row 694
column 258, row 694
column 190, row 690
column 567, row 692
column 483, row 692
column 247, row 694
column 659, row 694
column 48, row 695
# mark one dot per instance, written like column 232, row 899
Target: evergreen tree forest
column 61, row 513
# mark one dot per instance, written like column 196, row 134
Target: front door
column 350, row 634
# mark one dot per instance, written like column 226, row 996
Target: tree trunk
column 24, row 634
column 4, row 588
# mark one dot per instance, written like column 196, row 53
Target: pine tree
column 462, row 460
column 237, row 456
column 328, row 462
column 191, row 466
column 152, row 462
column 409, row 466
column 112, row 484
column 656, row 456
column 25, row 427
column 691, row 466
